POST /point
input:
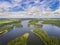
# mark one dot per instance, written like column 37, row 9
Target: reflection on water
column 19, row 31
column 52, row 30
column 24, row 28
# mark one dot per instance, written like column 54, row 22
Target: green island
column 53, row 22
column 8, row 21
column 34, row 23
column 7, row 24
column 20, row 40
column 44, row 21
column 46, row 39
column 17, row 25
column 5, row 29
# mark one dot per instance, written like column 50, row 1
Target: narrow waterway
column 51, row 30
column 16, row 32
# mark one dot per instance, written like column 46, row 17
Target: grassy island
column 46, row 39
column 20, row 40
column 7, row 24
column 35, row 23
column 53, row 22
column 5, row 29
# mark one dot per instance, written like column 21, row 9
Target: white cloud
column 17, row 1
column 34, row 12
column 36, row 1
column 58, row 10
column 5, row 5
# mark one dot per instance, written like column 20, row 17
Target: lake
column 52, row 30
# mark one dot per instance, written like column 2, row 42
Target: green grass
column 17, row 25
column 38, row 25
column 32, row 23
column 4, row 25
column 53, row 22
column 35, row 23
column 45, row 21
column 8, row 21
column 20, row 40
column 5, row 29
column 46, row 39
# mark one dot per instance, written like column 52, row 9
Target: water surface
column 51, row 30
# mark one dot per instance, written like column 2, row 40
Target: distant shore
column 29, row 16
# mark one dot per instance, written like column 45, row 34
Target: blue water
column 51, row 30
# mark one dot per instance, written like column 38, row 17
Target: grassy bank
column 8, row 21
column 20, row 40
column 53, row 22
column 34, row 23
column 5, row 29
column 17, row 25
column 47, row 40
column 5, row 25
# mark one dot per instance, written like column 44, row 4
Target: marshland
column 32, row 31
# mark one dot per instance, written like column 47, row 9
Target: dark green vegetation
column 47, row 40
column 20, row 40
column 8, row 21
column 7, row 24
column 44, row 21
column 5, row 29
column 34, row 23
column 17, row 25
column 53, row 22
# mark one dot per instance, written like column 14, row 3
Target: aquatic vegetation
column 20, row 40
column 8, row 24
column 53, row 22
column 8, row 21
column 4, row 25
column 17, row 25
column 31, row 23
column 35, row 23
column 38, row 25
column 46, row 39
column 5, row 29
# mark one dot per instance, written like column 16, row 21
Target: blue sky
column 22, row 5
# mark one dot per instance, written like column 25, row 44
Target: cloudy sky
column 22, row 7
